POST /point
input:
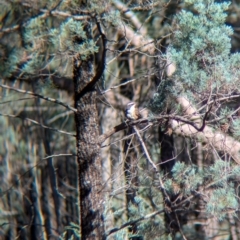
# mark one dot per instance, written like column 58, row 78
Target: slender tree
column 88, row 149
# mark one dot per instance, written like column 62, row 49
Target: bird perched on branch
column 132, row 111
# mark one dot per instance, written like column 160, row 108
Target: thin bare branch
column 16, row 100
column 164, row 192
column 117, row 86
column 132, row 222
column 60, row 155
column 36, row 123
column 145, row 150
column 39, row 96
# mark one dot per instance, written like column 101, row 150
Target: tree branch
column 100, row 67
column 39, row 96
column 132, row 222
column 146, row 151
column 151, row 162
column 36, row 123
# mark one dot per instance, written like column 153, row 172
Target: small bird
column 132, row 111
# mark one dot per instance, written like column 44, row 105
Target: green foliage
column 236, row 127
column 201, row 52
column 224, row 113
column 205, row 67
column 147, row 201
column 71, row 38
column 43, row 44
column 98, row 6
column 188, row 177
column 162, row 99
column 218, row 181
column 10, row 64
column 222, row 200
column 149, row 228
column 122, row 234
column 213, row 184
column 219, row 174
column 113, row 17
column 34, row 32
column 33, row 64
column 67, row 40
column 201, row 45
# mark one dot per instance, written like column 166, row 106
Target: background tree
column 173, row 173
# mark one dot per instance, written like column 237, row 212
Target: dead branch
column 145, row 150
column 36, row 123
column 39, row 96
column 129, row 223
column 217, row 139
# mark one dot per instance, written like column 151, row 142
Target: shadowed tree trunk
column 88, row 158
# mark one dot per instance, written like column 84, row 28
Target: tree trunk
column 88, row 157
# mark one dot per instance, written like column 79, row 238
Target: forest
column 120, row 119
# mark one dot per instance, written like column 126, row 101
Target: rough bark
column 88, row 157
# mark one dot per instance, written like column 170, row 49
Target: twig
column 118, row 140
column 226, row 98
column 129, row 223
column 36, row 123
column 151, row 215
column 26, row 172
column 224, row 117
column 150, row 160
column 60, row 155
column 145, row 149
column 39, row 96
column 117, row 86
column 16, row 100
column 179, row 226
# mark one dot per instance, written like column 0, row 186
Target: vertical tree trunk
column 88, row 158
